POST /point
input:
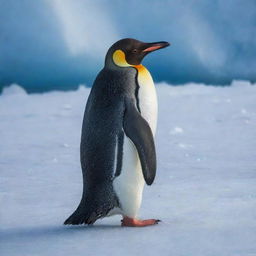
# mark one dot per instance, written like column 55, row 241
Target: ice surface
column 204, row 192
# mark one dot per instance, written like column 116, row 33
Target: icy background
column 204, row 192
column 57, row 44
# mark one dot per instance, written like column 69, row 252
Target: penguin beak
column 150, row 47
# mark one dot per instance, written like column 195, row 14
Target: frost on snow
column 204, row 192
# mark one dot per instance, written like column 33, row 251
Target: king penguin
column 117, row 150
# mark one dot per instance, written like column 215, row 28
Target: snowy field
column 204, row 192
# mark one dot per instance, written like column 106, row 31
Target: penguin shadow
column 42, row 232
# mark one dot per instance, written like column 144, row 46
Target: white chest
column 147, row 97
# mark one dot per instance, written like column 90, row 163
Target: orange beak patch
column 152, row 48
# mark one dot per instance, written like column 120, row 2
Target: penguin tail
column 93, row 206
column 81, row 216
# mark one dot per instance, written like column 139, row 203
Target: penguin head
column 130, row 52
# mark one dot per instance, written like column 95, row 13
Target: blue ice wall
column 58, row 44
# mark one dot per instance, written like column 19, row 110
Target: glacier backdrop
column 58, row 44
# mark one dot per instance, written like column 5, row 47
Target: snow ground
column 204, row 193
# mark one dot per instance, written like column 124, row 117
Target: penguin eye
column 134, row 51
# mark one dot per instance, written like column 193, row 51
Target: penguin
column 117, row 150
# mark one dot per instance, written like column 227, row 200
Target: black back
column 103, row 122
column 101, row 130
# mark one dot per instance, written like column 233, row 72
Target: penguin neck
column 120, row 61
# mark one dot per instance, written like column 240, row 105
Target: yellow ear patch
column 119, row 59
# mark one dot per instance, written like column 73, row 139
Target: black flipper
column 139, row 131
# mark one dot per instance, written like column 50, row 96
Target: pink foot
column 130, row 222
